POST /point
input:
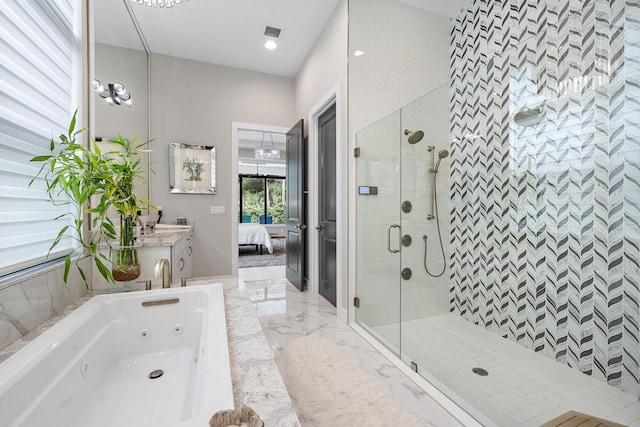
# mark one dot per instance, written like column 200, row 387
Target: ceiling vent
column 272, row 32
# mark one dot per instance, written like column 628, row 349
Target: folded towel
column 172, row 227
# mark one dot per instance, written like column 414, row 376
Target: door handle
column 394, row 251
column 319, row 228
column 301, row 227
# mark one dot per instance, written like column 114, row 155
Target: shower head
column 414, row 137
column 441, row 155
column 528, row 117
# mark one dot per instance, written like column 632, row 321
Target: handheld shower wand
column 441, row 155
column 433, row 171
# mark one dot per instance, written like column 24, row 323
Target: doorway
column 333, row 99
column 244, row 163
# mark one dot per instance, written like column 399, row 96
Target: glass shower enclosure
column 497, row 236
column 402, row 208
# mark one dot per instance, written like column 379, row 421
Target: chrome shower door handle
column 394, row 251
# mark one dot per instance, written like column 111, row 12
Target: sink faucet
column 162, row 269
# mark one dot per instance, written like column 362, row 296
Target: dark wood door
column 327, row 224
column 295, row 227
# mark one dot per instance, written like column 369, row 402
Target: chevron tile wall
column 545, row 179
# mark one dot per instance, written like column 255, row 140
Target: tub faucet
column 162, row 269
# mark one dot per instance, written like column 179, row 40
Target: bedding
column 254, row 234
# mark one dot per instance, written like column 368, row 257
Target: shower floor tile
column 523, row 388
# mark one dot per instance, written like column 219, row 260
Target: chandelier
column 158, row 3
column 267, row 153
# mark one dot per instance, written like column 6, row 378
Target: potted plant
column 97, row 183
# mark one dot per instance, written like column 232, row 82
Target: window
column 262, row 199
column 40, row 88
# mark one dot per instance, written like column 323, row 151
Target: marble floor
column 522, row 388
column 287, row 314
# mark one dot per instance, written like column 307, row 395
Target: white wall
column 195, row 103
column 323, row 69
column 325, row 65
column 404, row 56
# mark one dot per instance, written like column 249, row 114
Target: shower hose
column 424, row 237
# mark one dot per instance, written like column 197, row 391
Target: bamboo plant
column 96, row 183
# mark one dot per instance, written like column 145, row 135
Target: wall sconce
column 114, row 93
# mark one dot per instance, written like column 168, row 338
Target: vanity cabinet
column 181, row 259
column 175, row 246
column 179, row 252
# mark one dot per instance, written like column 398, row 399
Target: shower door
column 378, row 230
column 395, row 210
column 425, row 187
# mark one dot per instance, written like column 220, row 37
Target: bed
column 254, row 234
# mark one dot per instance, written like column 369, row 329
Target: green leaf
column 109, row 228
column 40, row 158
column 60, row 234
column 67, row 265
column 72, row 125
column 84, row 277
column 104, row 271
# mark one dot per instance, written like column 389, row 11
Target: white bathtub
column 92, row 368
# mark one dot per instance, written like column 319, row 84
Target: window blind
column 38, row 57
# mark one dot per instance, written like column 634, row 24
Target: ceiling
column 230, row 32
column 222, row 32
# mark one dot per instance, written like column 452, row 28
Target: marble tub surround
column 15, row 346
column 27, row 302
column 255, row 376
column 256, row 379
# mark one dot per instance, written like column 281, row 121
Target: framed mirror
column 192, row 168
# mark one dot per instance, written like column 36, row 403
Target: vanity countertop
column 164, row 237
column 256, row 379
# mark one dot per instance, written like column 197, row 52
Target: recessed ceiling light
column 358, row 53
column 270, row 44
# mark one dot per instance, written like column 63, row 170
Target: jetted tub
column 150, row 358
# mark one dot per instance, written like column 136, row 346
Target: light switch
column 217, row 210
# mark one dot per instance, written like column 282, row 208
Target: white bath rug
column 331, row 388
